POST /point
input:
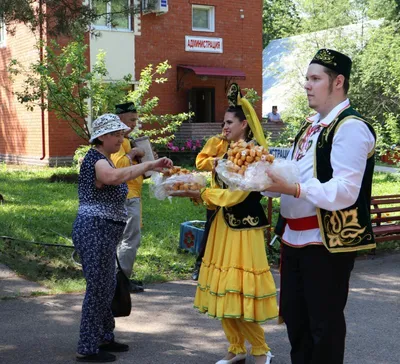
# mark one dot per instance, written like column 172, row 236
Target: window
column 203, row 18
column 112, row 14
column 2, row 33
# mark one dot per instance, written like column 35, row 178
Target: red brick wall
column 163, row 38
column 21, row 138
column 20, row 129
column 63, row 141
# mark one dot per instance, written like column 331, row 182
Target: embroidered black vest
column 248, row 214
column 348, row 229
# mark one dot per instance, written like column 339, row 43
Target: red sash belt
column 303, row 223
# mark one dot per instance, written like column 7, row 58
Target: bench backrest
column 385, row 208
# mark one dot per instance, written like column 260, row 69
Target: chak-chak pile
column 174, row 182
column 242, row 154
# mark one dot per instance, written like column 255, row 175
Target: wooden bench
column 385, row 217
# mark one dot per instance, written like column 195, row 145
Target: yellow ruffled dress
column 235, row 280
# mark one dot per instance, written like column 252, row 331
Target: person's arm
column 135, row 154
column 107, row 175
column 126, row 155
column 223, row 198
column 214, row 148
column 348, row 158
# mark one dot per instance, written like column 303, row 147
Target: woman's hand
column 136, row 153
column 215, row 163
column 161, row 163
column 280, row 185
column 155, row 155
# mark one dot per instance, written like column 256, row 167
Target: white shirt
column 351, row 145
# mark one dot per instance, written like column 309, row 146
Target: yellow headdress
column 235, row 99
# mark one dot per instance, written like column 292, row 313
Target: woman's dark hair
column 238, row 112
column 96, row 141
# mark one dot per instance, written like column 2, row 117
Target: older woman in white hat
column 96, row 232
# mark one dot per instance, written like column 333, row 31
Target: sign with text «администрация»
column 203, row 44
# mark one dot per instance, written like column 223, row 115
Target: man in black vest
column 325, row 219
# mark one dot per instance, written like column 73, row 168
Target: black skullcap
column 124, row 108
column 333, row 60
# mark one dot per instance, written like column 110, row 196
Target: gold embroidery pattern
column 343, row 229
column 326, row 57
column 252, row 221
column 249, row 220
column 232, row 220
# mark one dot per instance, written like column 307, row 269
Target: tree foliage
column 62, row 17
column 62, row 83
column 375, row 84
column 280, row 19
column 159, row 128
column 375, row 80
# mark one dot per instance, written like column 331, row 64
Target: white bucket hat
column 106, row 123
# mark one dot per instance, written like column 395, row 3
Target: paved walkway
column 13, row 286
column 164, row 328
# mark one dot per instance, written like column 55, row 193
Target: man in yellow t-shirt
column 125, row 157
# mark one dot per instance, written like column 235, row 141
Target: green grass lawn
column 37, row 210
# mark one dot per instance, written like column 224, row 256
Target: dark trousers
column 95, row 240
column 209, row 216
column 314, row 290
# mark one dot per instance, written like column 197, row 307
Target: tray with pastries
column 242, row 154
column 247, row 166
column 176, row 179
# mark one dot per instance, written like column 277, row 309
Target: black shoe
column 100, row 357
column 195, row 274
column 135, row 288
column 138, row 283
column 114, row 347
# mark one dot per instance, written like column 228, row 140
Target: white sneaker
column 269, row 358
column 235, row 359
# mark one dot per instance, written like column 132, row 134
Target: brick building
column 209, row 44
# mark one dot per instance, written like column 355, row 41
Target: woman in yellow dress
column 213, row 150
column 235, row 283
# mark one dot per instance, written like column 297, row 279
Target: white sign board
column 203, row 44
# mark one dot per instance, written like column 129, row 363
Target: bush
column 79, row 154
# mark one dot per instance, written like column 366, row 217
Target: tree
column 375, row 80
column 159, row 128
column 375, row 84
column 63, row 17
column 280, row 19
column 326, row 14
column 63, row 83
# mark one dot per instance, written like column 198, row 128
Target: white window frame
column 3, row 33
column 108, row 26
column 211, row 18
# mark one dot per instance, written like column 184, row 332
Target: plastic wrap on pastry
column 255, row 177
column 164, row 184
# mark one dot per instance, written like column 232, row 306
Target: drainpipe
column 42, row 94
